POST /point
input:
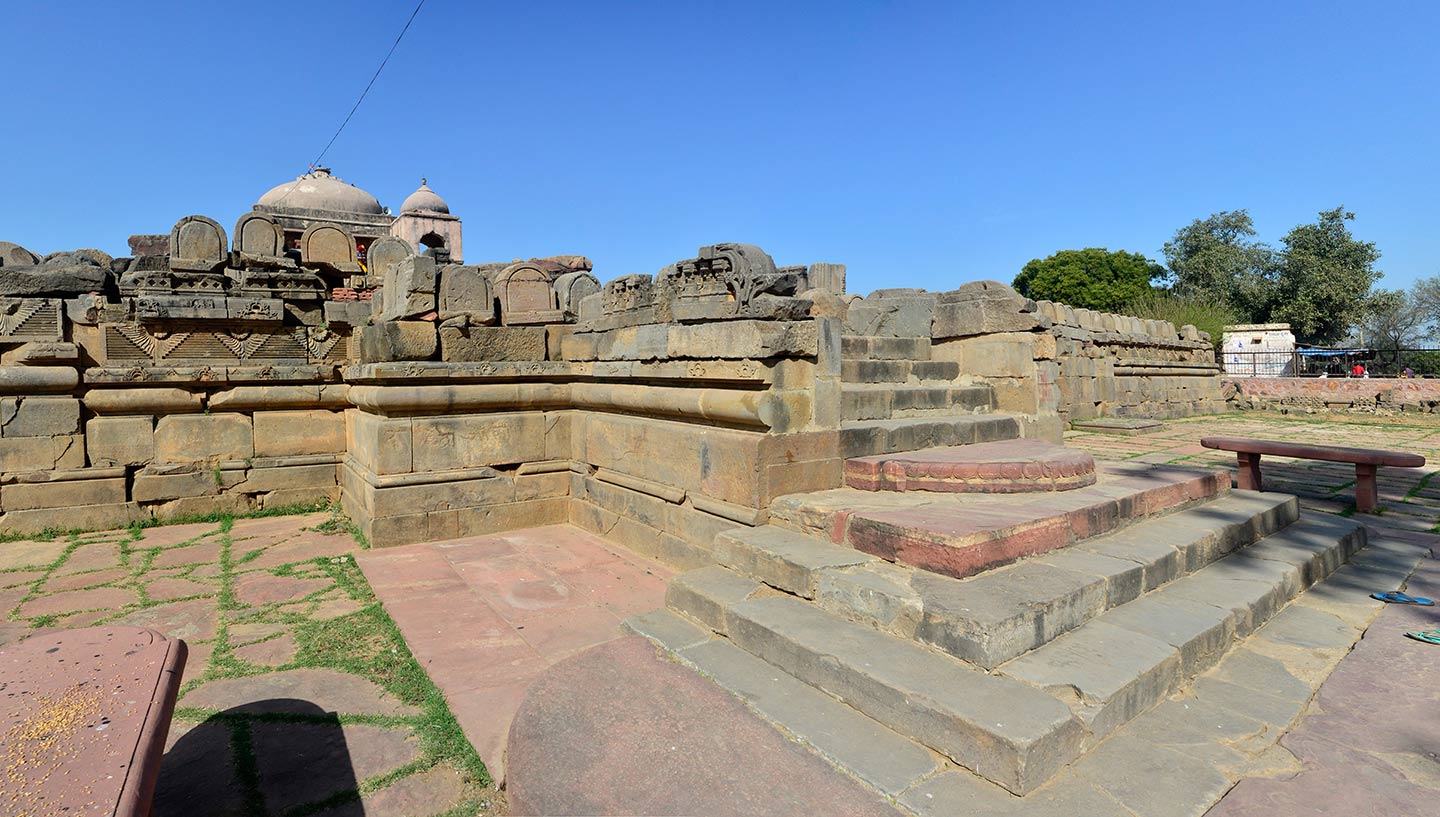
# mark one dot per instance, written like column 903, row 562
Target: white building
column 1259, row 350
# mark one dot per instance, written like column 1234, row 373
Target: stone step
column 859, row 438
column 1002, row 729
column 1003, row 467
column 867, row 347
column 961, row 535
column 881, row 757
column 1120, row 664
column 993, row 617
column 898, row 371
column 888, row 401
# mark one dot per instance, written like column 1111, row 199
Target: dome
column 424, row 199
column 318, row 190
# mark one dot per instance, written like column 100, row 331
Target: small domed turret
column 424, row 200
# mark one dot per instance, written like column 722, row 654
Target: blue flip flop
column 1428, row 636
column 1396, row 597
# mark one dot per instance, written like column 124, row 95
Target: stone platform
column 961, row 535
column 1005, row 467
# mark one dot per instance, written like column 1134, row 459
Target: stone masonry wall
column 1047, row 362
column 1380, row 395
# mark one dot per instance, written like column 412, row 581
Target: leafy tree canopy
column 1323, row 282
column 1217, row 258
column 1093, row 278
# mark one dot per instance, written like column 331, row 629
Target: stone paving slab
column 618, row 729
column 285, row 649
column 487, row 615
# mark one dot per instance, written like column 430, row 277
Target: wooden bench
column 1366, row 460
column 84, row 719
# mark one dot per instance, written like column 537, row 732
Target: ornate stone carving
column 28, row 319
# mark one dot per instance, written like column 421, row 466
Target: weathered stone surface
column 384, row 255
column 1010, row 733
column 67, row 274
column 397, row 340
column 1115, row 673
column 336, row 758
column 409, row 289
column 1012, row 466
column 198, row 770
column 39, row 416
column 100, row 598
column 708, row 593
column 298, row 691
column 445, row 443
column 198, row 244
column 255, row 589
column 876, row 755
column 288, row 433
column 181, row 438
column 69, row 493
column 195, row 620
column 984, row 307
column 782, row 558
column 477, row 343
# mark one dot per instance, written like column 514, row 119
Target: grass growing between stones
column 332, row 621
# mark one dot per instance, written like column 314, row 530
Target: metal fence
column 1332, row 363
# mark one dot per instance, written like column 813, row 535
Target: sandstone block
column 380, row 445
column 162, row 485
column 142, row 401
column 474, row 343
column 444, row 443
column 22, row 496
column 80, row 517
column 200, row 437
column 287, row 433
column 32, row 379
column 289, row 478
column 120, row 440
column 397, row 340
column 409, row 289
column 39, row 416
column 41, row 453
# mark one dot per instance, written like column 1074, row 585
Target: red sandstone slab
column 964, row 534
column 1004, row 467
column 85, row 718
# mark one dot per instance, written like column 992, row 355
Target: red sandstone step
column 1004, row 467
column 964, row 534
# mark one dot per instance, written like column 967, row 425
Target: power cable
column 356, row 106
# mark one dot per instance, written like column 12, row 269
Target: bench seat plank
column 1366, row 460
column 84, row 719
column 1328, row 453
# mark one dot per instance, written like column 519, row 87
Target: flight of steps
column 1013, row 672
column 895, row 398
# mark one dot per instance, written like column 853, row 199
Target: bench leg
column 1367, row 493
column 1249, row 479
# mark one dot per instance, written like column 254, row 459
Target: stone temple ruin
column 865, row 492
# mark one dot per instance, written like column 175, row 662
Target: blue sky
column 922, row 144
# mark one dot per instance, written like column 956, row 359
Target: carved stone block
column 255, row 309
column 572, row 288
column 409, row 289
column 526, row 296
column 397, row 340
column 198, row 244
column 385, row 254
column 465, row 291
column 329, row 246
column 477, row 343
column 260, row 241
column 27, row 319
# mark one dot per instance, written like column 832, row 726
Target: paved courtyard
column 315, row 688
column 1409, row 500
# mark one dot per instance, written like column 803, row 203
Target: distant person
column 1358, row 370
column 1407, row 372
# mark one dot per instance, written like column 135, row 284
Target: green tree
column 1323, row 282
column 1393, row 319
column 1218, row 258
column 1092, row 278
